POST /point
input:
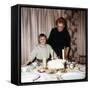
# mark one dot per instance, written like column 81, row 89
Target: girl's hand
column 23, row 65
column 41, row 69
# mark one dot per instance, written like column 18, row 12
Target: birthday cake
column 56, row 64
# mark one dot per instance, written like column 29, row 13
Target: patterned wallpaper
column 76, row 28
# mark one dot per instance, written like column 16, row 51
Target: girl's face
column 60, row 27
column 42, row 40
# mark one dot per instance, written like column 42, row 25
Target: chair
column 82, row 59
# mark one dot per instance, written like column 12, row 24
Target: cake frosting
column 56, row 64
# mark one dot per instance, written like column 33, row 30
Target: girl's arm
column 51, row 50
column 31, row 57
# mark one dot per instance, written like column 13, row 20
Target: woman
column 42, row 50
column 59, row 38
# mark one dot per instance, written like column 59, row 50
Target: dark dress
column 59, row 40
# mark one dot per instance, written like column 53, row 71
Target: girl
column 42, row 50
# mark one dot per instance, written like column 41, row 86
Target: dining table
column 30, row 73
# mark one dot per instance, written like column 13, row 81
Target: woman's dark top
column 59, row 40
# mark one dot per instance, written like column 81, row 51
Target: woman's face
column 60, row 27
column 42, row 40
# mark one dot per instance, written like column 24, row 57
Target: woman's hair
column 63, row 21
column 41, row 35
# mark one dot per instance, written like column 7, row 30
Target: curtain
column 37, row 20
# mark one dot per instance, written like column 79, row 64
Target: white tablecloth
column 30, row 74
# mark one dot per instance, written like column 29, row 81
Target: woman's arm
column 50, row 40
column 52, row 51
column 67, row 44
column 66, row 52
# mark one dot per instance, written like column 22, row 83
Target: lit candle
column 52, row 54
column 63, row 54
column 44, row 62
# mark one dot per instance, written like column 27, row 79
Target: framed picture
column 48, row 44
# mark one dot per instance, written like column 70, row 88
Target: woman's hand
column 66, row 53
